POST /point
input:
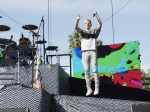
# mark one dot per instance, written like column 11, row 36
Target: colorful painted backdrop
column 118, row 64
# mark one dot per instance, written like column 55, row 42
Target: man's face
column 87, row 25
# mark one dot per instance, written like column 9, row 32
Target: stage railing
column 58, row 56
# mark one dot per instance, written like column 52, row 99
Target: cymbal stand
column 32, row 63
column 33, row 40
column 18, row 68
column 33, row 58
column 43, row 40
column 41, row 54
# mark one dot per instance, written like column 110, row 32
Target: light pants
column 87, row 58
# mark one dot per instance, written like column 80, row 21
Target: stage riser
column 54, row 78
column 54, row 81
column 19, row 96
column 91, row 104
column 8, row 75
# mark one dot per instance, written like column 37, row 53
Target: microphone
column 93, row 14
column 42, row 19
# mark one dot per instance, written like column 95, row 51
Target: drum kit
column 10, row 52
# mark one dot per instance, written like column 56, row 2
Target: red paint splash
column 115, row 46
column 132, row 79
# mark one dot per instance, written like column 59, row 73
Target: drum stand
column 33, row 56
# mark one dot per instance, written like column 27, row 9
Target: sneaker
column 96, row 91
column 89, row 91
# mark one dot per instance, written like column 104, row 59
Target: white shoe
column 89, row 91
column 96, row 91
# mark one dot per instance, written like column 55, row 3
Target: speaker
column 15, row 110
column 141, row 108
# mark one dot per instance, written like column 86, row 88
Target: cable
column 48, row 22
column 118, row 10
column 11, row 18
column 48, row 25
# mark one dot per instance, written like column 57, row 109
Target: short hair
column 88, row 20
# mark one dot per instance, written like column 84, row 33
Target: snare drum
column 23, row 41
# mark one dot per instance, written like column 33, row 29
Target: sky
column 130, row 22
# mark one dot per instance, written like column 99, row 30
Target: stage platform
column 61, row 93
column 67, row 103
column 21, row 95
column 78, row 88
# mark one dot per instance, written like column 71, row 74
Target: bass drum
column 10, row 58
column 10, row 55
column 24, row 41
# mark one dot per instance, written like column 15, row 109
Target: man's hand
column 98, row 19
column 78, row 29
column 79, row 17
column 94, row 13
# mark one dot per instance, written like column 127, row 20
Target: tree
column 148, row 72
column 75, row 41
column 99, row 43
column 145, row 79
column 143, row 73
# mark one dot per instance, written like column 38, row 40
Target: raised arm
column 79, row 30
column 99, row 21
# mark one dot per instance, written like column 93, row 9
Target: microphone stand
column 32, row 56
column 43, row 40
column 40, row 25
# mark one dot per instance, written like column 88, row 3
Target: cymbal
column 40, row 42
column 51, row 48
column 4, row 28
column 6, row 41
column 30, row 27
